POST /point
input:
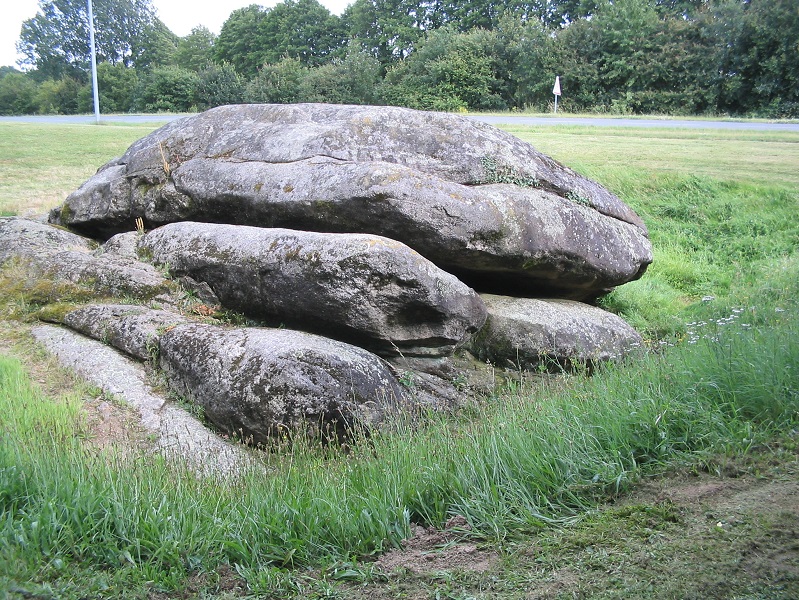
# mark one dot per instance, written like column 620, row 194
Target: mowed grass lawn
column 530, row 469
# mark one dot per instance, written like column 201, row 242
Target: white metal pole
column 94, row 65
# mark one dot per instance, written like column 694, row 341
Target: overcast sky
column 179, row 15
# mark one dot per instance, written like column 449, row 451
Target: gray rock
column 364, row 289
column 258, row 383
column 26, row 238
column 475, row 200
column 525, row 332
column 132, row 329
column 122, row 244
column 52, row 253
column 176, row 433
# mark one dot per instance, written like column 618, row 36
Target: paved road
column 620, row 122
column 494, row 120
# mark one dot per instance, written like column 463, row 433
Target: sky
column 179, row 15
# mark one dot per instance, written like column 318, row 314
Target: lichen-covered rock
column 25, row 238
column 133, row 329
column 258, row 383
column 58, row 255
column 476, row 201
column 364, row 289
column 525, row 332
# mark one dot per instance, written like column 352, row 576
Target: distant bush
column 168, row 89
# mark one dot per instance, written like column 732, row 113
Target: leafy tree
column 352, row 80
column 239, row 42
column 17, row 94
column 170, row 89
column 302, row 29
column 277, row 83
column 448, row 71
column 58, row 96
column 158, row 48
column 387, row 29
column 117, row 85
column 219, row 85
column 56, row 40
column 532, row 62
column 757, row 56
column 196, row 50
column 613, row 62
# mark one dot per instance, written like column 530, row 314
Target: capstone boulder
column 474, row 200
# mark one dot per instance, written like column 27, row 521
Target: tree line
column 680, row 57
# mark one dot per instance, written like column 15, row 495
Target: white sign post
column 556, row 91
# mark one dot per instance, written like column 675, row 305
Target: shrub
column 169, row 89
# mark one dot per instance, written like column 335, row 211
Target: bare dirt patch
column 430, row 550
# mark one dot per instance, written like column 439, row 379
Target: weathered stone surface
column 25, row 238
column 524, row 332
column 365, row 289
column 175, row 433
column 444, row 185
column 53, row 253
column 133, row 329
column 257, row 383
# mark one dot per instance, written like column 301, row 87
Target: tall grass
column 528, row 457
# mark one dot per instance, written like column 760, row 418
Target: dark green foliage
column 59, row 96
column 756, row 55
column 196, row 50
column 219, row 85
column 169, row 89
column 56, row 40
column 117, row 85
column 352, row 80
column 449, row 71
column 386, row 29
column 17, row 94
column 679, row 57
column 301, row 29
column 277, row 83
column 238, row 42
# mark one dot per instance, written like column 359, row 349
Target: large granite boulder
column 258, row 383
column 365, row 289
column 476, row 201
column 532, row 332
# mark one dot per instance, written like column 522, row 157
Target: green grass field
column 531, row 470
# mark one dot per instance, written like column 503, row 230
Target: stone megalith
column 258, row 383
column 365, row 289
column 528, row 332
column 474, row 200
